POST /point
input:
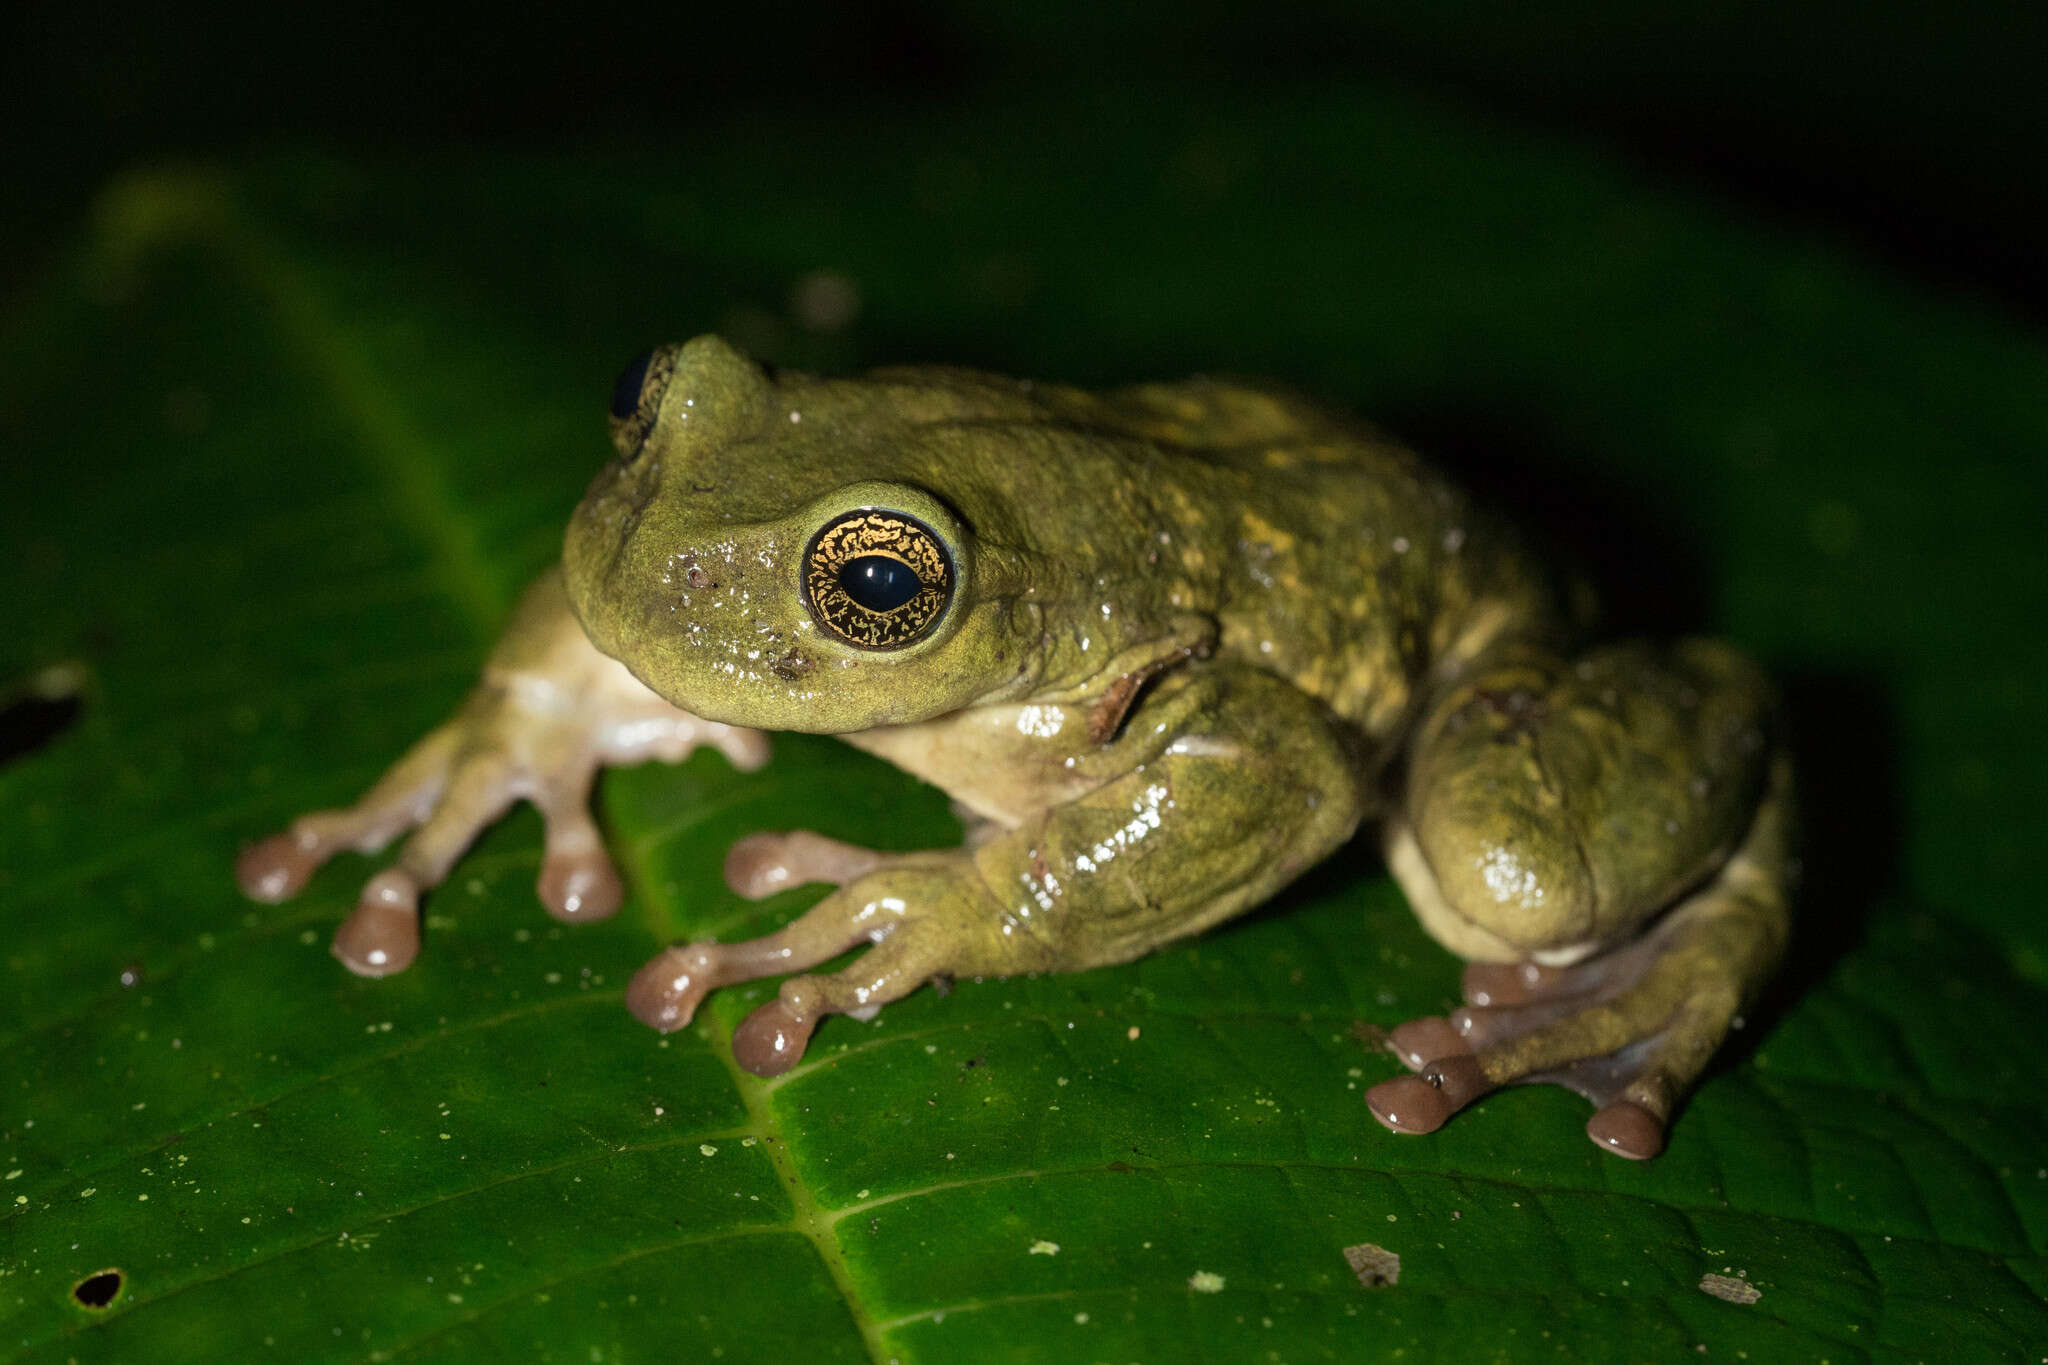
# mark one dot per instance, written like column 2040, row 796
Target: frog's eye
column 877, row 579
column 636, row 398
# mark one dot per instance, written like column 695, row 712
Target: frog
column 1166, row 647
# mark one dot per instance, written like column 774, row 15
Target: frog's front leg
column 1234, row 783
column 1554, row 810
column 548, row 713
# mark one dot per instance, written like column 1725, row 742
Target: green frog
column 1166, row 647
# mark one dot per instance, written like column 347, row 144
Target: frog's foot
column 382, row 935
column 926, row 915
column 450, row 791
column 537, row 729
column 1203, row 824
column 665, row 993
column 1630, row 1030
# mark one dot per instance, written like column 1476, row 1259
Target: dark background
column 1917, row 131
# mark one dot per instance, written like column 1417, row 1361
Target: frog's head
column 770, row 552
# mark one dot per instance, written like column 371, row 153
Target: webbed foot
column 1631, row 1030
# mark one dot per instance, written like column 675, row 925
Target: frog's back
column 1334, row 555
column 1328, row 552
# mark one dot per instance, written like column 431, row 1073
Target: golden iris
column 877, row 580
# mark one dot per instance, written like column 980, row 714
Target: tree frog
column 1166, row 647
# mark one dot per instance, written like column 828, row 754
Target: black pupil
column 878, row 582
column 626, row 392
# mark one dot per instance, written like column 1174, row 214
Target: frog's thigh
column 1554, row 806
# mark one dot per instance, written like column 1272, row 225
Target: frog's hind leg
column 1574, row 767
column 548, row 713
column 1631, row 1030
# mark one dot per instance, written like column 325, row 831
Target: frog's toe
column 580, row 887
column 1421, row 1041
column 1627, row 1129
column 1635, row 1084
column 1422, row 1103
column 1470, row 1027
column 382, row 936
column 772, row 1039
column 665, row 993
column 277, row 868
column 1630, row 1031
column 578, row 883
column 762, row 864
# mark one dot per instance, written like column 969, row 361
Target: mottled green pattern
column 274, row 472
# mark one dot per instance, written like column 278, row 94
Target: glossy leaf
column 285, row 438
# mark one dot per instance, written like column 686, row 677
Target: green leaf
column 286, row 437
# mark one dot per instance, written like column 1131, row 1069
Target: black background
column 1917, row 131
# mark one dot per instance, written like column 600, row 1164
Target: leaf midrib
column 809, row 1218
column 399, row 456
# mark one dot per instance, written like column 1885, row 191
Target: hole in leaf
column 39, row 708
column 97, row 1291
